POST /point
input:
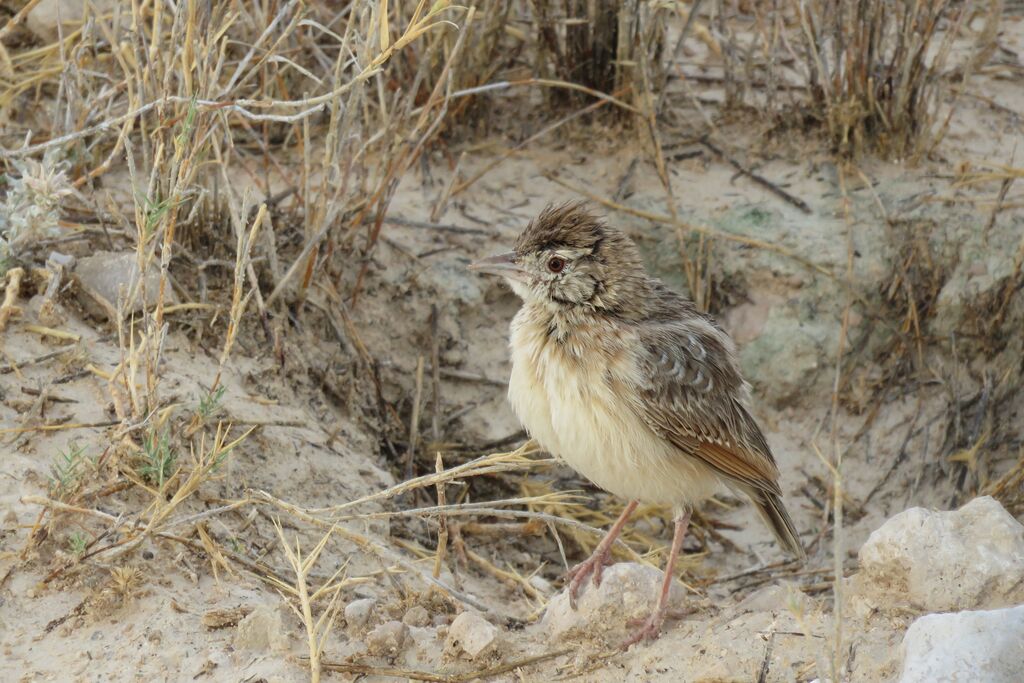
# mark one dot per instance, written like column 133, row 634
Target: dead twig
column 414, row 421
column 442, row 521
column 1004, row 187
column 11, row 367
column 462, row 375
column 8, row 308
column 441, row 227
column 435, row 376
column 466, row 184
column 759, row 179
column 419, row 675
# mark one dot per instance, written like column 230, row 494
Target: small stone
column 47, row 311
column 454, row 357
column 387, row 640
column 416, row 616
column 945, row 561
column 44, row 19
column 101, row 276
column 965, row 646
column 542, row 584
column 628, row 591
column 471, row 636
column 358, row 612
column 262, row 630
column 223, row 618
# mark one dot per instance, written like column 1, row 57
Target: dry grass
column 1009, row 488
column 875, row 69
column 191, row 101
column 188, row 103
column 875, row 76
column 321, row 113
column 572, row 50
column 920, row 268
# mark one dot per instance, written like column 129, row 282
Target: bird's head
column 567, row 258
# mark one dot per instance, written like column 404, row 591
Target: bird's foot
column 593, row 566
column 646, row 629
column 650, row 628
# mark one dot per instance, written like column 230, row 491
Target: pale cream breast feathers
column 568, row 395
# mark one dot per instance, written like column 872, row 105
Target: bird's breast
column 573, row 397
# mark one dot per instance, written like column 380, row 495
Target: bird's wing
column 690, row 392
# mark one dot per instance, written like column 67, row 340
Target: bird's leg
column 598, row 560
column 651, row 627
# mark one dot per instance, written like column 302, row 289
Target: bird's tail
column 773, row 512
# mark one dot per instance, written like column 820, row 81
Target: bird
column 630, row 384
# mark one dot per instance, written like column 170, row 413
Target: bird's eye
column 556, row 264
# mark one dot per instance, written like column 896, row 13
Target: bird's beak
column 502, row 264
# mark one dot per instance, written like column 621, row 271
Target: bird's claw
column 646, row 629
column 598, row 571
column 592, row 567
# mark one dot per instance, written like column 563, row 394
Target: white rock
column 940, row 561
column 628, row 591
column 358, row 612
column 471, row 636
column 261, row 630
column 965, row 646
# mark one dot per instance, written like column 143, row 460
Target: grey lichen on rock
column 785, row 358
column 985, row 262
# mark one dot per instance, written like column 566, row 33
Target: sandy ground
column 316, row 442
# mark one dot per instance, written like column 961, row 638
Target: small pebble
column 542, row 584
column 388, row 639
column 417, row 616
column 471, row 636
column 358, row 612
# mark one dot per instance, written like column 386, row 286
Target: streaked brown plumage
column 629, row 383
